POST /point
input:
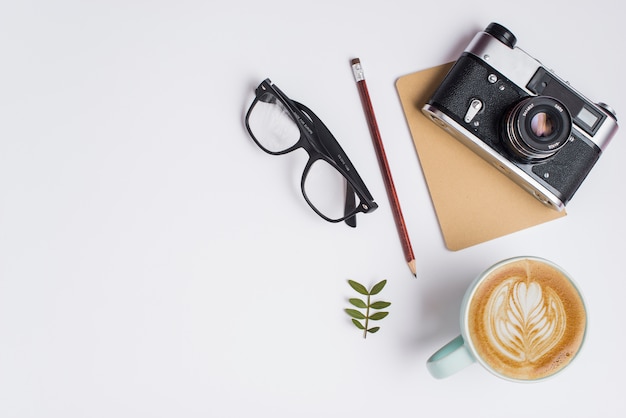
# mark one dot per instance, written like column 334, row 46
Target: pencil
column 359, row 77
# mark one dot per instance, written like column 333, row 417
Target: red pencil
column 359, row 77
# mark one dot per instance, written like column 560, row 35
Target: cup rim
column 472, row 290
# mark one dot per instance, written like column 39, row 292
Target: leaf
column 355, row 314
column 378, row 287
column 378, row 315
column 358, row 303
column 361, row 316
column 358, row 324
column 358, row 287
column 379, row 305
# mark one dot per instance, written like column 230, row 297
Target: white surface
column 155, row 263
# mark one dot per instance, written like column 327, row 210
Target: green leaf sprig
column 368, row 305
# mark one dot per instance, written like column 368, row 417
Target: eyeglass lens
column 325, row 189
column 272, row 125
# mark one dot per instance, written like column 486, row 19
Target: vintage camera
column 518, row 115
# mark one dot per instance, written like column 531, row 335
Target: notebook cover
column 474, row 202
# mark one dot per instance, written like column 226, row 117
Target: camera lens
column 536, row 128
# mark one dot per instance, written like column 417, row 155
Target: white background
column 155, row 263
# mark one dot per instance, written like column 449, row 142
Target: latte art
column 525, row 320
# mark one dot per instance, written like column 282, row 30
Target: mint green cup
column 523, row 319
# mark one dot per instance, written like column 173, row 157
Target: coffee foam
column 526, row 320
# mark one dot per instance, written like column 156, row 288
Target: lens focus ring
column 536, row 128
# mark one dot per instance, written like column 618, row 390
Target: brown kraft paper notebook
column 473, row 201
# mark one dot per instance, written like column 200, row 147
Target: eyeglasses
column 329, row 182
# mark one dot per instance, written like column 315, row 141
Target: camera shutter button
column 473, row 109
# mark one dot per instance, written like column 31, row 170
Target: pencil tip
column 355, row 61
column 412, row 267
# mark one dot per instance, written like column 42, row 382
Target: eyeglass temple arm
column 349, row 206
column 335, row 152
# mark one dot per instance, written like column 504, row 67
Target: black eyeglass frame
column 319, row 143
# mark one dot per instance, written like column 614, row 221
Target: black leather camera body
column 518, row 115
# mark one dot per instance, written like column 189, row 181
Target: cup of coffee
column 523, row 319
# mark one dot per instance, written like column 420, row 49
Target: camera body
column 519, row 116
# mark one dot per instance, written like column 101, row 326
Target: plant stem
column 367, row 317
